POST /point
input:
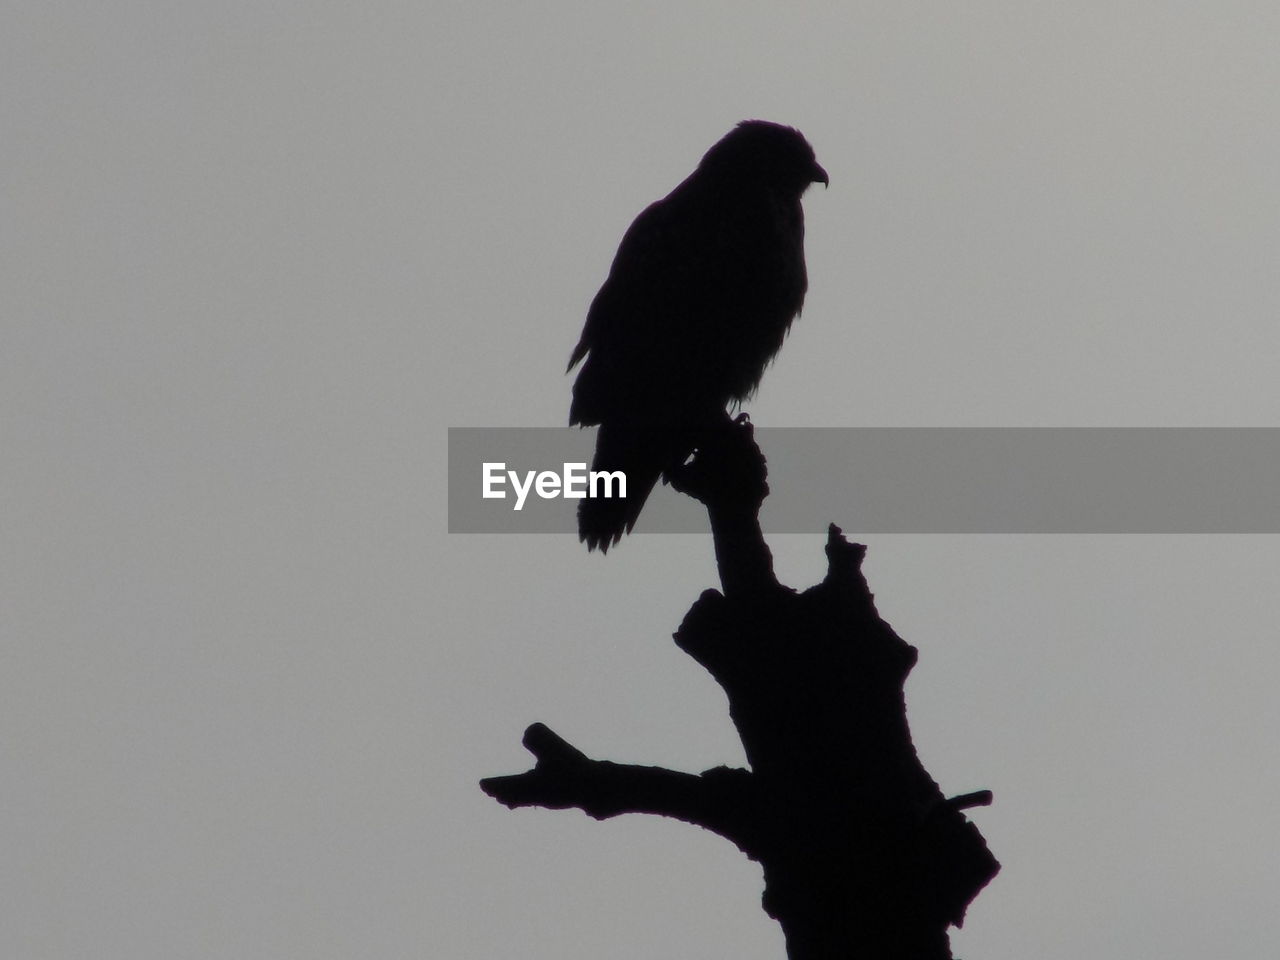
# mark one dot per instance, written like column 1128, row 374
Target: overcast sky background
column 258, row 257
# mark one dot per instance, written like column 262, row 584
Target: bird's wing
column 652, row 260
column 636, row 340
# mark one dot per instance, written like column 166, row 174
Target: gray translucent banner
column 916, row 480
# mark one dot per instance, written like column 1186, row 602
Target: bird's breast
column 763, row 290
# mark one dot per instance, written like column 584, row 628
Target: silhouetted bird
column 702, row 291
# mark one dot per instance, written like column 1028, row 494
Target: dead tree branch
column 863, row 855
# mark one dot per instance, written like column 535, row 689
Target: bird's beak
column 820, row 176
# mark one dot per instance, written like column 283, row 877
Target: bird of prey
column 701, row 293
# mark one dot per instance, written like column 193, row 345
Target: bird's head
column 761, row 153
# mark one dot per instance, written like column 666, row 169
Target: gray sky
column 259, row 257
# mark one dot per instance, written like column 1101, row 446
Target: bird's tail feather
column 641, row 454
